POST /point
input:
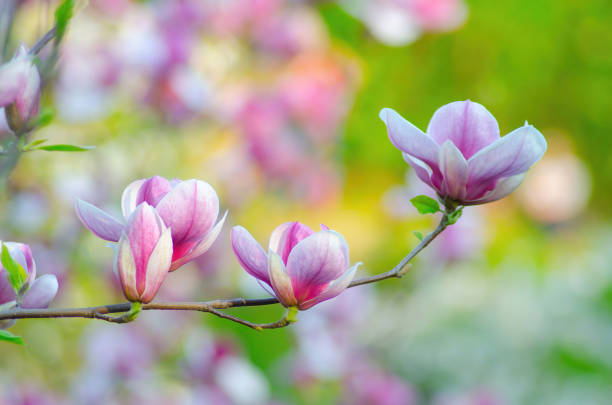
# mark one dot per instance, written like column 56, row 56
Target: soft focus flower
column 398, row 23
column 20, row 89
column 545, row 197
column 189, row 208
column 462, row 156
column 144, row 254
column 302, row 267
column 39, row 292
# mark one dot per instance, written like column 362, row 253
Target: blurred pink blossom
column 20, row 90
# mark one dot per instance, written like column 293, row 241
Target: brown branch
column 212, row 307
column 403, row 266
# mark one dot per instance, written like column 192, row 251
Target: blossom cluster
column 168, row 223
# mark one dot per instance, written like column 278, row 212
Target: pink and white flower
column 144, row 254
column 189, row 208
column 302, row 267
column 20, row 89
column 462, row 156
column 38, row 292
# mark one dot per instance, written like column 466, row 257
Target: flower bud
column 302, row 267
column 35, row 293
column 20, row 90
column 144, row 254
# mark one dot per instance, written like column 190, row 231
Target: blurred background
column 275, row 103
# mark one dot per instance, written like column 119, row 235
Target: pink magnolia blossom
column 462, row 156
column 302, row 267
column 20, row 89
column 39, row 291
column 439, row 15
column 189, row 208
column 144, row 254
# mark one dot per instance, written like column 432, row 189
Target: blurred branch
column 43, row 41
column 7, row 14
column 213, row 307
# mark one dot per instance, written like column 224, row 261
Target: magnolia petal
column 511, row 155
column 153, row 190
column 279, row 280
column 12, row 79
column 7, row 293
column 454, row 169
column 129, row 198
column 28, row 98
column 126, row 268
column 408, row 138
column 470, row 126
column 22, row 254
column 315, row 262
column 202, row 247
column 157, row 266
column 42, row 291
column 422, row 171
column 286, row 236
column 99, row 222
column 143, row 229
column 250, row 254
column 503, row 187
column 189, row 209
column 334, row 288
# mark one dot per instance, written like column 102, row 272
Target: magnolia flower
column 462, row 156
column 189, row 208
column 36, row 293
column 302, row 267
column 144, row 254
column 20, row 89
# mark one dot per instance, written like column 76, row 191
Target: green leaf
column 15, row 273
column 9, row 337
column 418, row 234
column 454, row 216
column 65, row 148
column 63, row 14
column 33, row 145
column 425, row 204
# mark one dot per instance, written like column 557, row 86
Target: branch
column 43, row 41
column 7, row 14
column 212, row 307
column 403, row 266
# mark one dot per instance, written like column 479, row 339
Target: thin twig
column 403, row 266
column 213, row 307
column 43, row 41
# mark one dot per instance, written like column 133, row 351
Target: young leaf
column 63, row 14
column 418, row 234
column 425, row 205
column 454, row 216
column 65, row 148
column 15, row 273
column 9, row 337
column 32, row 145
